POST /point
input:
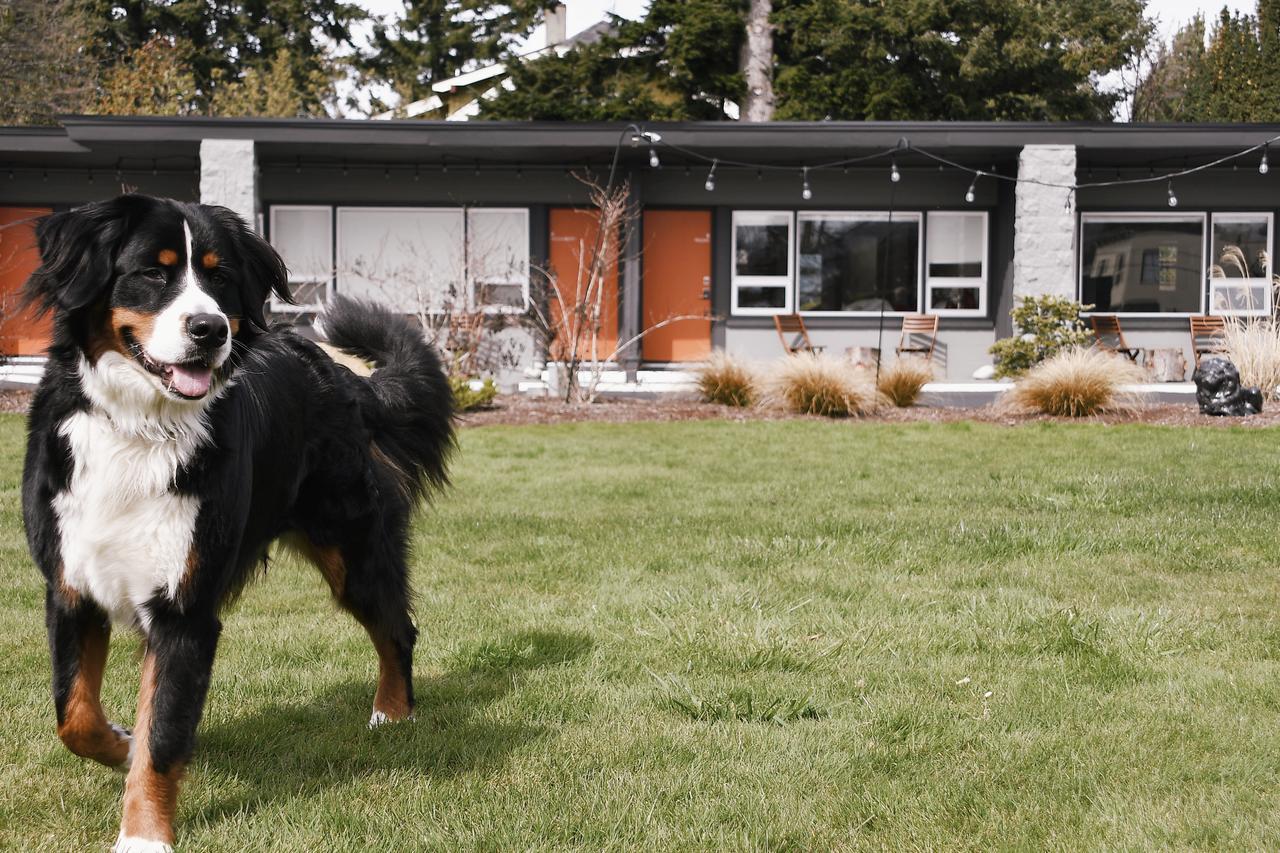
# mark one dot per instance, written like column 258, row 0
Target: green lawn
column 783, row 635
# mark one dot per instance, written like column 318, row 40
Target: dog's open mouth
column 189, row 381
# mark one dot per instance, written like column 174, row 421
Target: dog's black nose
column 207, row 330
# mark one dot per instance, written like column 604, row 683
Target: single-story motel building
column 398, row 209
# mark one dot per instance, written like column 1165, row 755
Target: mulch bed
column 523, row 410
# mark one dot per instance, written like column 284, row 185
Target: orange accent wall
column 573, row 239
column 677, row 281
column 20, row 334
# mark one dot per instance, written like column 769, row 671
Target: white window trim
column 466, row 250
column 1169, row 216
column 787, row 282
column 866, row 216
column 468, row 285
column 979, row 282
column 1264, row 282
column 279, row 306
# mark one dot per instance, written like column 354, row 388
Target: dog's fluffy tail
column 412, row 424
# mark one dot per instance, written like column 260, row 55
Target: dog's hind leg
column 79, row 634
column 370, row 581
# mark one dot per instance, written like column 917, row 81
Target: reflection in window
column 1240, row 264
column 859, row 262
column 1142, row 264
column 761, row 261
column 955, row 253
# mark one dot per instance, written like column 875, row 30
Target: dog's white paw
column 128, row 844
column 122, row 732
column 381, row 719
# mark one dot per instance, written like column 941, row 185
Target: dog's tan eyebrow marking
column 167, row 257
column 210, row 260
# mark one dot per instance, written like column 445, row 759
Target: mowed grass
column 783, row 635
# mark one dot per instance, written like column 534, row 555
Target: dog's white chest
column 125, row 535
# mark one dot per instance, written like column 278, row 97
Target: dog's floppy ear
column 78, row 251
column 262, row 271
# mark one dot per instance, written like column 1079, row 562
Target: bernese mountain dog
column 175, row 436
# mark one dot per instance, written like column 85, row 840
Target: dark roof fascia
column 39, row 139
column 603, row 136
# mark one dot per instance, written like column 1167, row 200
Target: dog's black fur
column 299, row 446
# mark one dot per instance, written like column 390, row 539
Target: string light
column 654, row 162
column 971, row 194
column 894, row 174
column 1173, row 199
column 91, row 176
column 344, row 168
column 1263, row 168
column 417, row 172
column 710, row 183
column 806, row 193
column 297, row 167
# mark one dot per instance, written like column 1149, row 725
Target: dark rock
column 1218, row 389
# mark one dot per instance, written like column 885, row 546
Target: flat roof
column 100, row 140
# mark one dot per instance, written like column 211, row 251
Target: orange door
column 677, row 282
column 21, row 333
column 573, row 245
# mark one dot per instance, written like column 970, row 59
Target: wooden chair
column 919, row 335
column 793, row 325
column 1206, row 336
column 1110, row 337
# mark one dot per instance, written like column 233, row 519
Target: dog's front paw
column 128, row 844
column 125, row 735
column 380, row 719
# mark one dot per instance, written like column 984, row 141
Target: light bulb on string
column 971, row 194
column 1263, row 168
column 1173, row 199
column 806, row 193
column 654, row 162
column 894, row 174
column 710, row 183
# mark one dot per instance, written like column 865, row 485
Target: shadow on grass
column 285, row 751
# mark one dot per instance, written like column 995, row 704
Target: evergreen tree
column 1162, row 92
column 437, row 39
column 221, row 41
column 43, row 67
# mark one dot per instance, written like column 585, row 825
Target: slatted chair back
column 793, row 334
column 1207, row 336
column 1110, row 336
column 919, row 334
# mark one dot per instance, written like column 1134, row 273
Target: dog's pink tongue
column 191, row 381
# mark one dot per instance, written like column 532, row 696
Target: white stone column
column 229, row 176
column 1044, row 239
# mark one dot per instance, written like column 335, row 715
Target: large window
column 956, row 264
column 1150, row 263
column 761, row 262
column 1240, row 264
column 413, row 258
column 858, row 262
column 303, row 235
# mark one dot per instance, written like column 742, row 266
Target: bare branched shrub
column 1076, row 383
column 727, row 380
column 821, row 384
column 902, row 381
column 1253, row 346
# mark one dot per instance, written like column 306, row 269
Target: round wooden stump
column 1165, row 364
column 863, row 356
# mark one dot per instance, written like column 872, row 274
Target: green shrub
column 467, row 399
column 1046, row 326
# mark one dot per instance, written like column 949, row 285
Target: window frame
column 980, row 282
column 1264, row 282
column 863, row 216
column 1202, row 216
column 736, row 282
column 277, row 305
column 472, row 301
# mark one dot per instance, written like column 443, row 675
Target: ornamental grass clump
column 727, row 380
column 1253, row 346
column 1076, row 383
column 820, row 384
column 902, row 381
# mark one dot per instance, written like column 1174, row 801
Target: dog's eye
column 154, row 274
